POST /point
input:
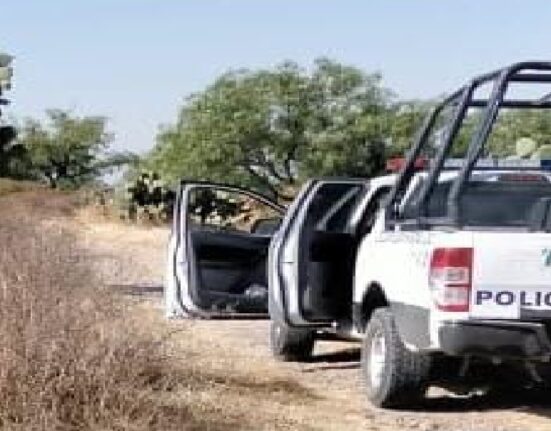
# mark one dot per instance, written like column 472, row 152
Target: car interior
column 228, row 268
column 327, row 261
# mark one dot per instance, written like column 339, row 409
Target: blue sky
column 135, row 60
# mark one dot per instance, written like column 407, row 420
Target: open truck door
column 217, row 255
column 312, row 265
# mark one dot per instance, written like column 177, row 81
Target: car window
column 370, row 213
column 504, row 200
column 220, row 209
column 335, row 205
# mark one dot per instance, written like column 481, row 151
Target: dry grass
column 76, row 356
column 8, row 186
column 68, row 357
column 72, row 354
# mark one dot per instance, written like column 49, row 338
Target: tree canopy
column 270, row 129
column 67, row 151
column 12, row 153
column 267, row 129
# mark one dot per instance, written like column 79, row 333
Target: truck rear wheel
column 291, row 344
column 394, row 377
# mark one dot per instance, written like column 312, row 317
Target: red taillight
column 523, row 178
column 450, row 278
column 397, row 163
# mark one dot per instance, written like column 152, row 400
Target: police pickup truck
column 438, row 268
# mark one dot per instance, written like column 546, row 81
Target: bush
column 147, row 198
column 69, row 356
column 76, row 354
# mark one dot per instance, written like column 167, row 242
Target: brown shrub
column 74, row 355
column 69, row 358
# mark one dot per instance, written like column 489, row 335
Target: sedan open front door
column 218, row 251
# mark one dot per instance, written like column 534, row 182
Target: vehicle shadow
column 339, row 360
column 535, row 401
column 138, row 289
column 239, row 316
column 155, row 291
column 347, row 355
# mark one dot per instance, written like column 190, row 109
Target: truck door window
column 370, row 213
column 337, row 216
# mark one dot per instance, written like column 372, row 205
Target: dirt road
column 324, row 394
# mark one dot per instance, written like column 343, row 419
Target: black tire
column 403, row 377
column 291, row 344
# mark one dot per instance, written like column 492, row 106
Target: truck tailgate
column 511, row 276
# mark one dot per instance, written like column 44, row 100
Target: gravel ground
column 132, row 259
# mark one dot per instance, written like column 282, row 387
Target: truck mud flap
column 413, row 324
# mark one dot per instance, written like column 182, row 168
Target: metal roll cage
column 462, row 100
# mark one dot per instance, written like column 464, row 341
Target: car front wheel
column 291, row 344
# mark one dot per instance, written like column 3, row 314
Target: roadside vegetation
column 77, row 355
column 70, row 355
column 272, row 129
column 267, row 129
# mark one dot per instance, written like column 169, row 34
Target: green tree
column 348, row 124
column 12, row 154
column 270, row 129
column 511, row 126
column 404, row 122
column 68, row 151
column 515, row 125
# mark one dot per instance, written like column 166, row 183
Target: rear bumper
column 503, row 339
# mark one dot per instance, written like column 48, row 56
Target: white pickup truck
column 411, row 293
column 437, row 269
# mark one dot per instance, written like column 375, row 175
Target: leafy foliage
column 12, row 154
column 516, row 134
column 68, row 151
column 270, row 129
column 206, row 204
column 403, row 124
column 148, row 198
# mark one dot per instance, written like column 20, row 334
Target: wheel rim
column 377, row 359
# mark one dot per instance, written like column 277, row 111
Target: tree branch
column 261, row 178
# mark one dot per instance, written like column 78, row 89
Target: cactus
column 525, row 147
column 147, row 198
column 214, row 206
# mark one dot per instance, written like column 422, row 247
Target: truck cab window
column 370, row 213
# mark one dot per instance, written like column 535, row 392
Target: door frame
column 287, row 305
column 185, row 291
